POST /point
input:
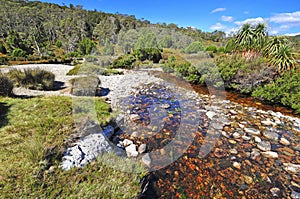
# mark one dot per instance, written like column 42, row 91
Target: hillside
column 47, row 29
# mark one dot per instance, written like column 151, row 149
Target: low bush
column 3, row 61
column 194, row 47
column 284, row 90
column 6, row 86
column 18, row 53
column 212, row 48
column 124, row 61
column 151, row 54
column 33, row 78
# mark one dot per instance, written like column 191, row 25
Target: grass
column 32, row 141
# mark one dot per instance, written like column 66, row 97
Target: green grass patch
column 32, row 136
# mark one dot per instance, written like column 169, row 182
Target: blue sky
column 281, row 16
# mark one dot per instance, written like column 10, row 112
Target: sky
column 281, row 16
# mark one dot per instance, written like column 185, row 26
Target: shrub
column 33, row 78
column 18, row 53
column 124, row 61
column 72, row 55
column 194, row 47
column 2, row 48
column 152, row 54
column 211, row 48
column 284, row 90
column 6, row 86
column 3, row 61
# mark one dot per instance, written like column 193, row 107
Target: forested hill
column 45, row 29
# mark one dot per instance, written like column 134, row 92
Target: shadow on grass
column 4, row 108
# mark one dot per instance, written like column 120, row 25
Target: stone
column 257, row 139
column 268, row 123
column 127, row 142
column 142, row 148
column 217, row 125
column 146, row 160
column 211, row 114
column 264, row 145
column 233, row 112
column 165, row 106
column 86, row 149
column 134, row 134
column 284, row 141
column 275, row 192
column 248, row 179
column 292, row 168
column 271, row 135
column 131, row 151
column 246, row 138
column 108, row 131
column 236, row 135
column 134, row 117
column 270, row 154
column 237, row 165
column 252, row 131
column 233, row 151
column 232, row 141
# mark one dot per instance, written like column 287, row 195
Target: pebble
column 233, row 112
column 246, row 138
column 248, row 179
column 236, row 135
column 131, row 151
column 284, row 141
column 271, row 135
column 275, row 192
column 268, row 123
column 211, row 114
column 127, row 142
column 292, row 168
column 233, row 151
column 252, row 131
column 270, row 154
column 257, row 139
column 264, row 145
column 237, row 165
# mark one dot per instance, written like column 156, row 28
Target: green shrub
column 124, row 61
column 2, row 48
column 285, row 90
column 6, row 86
column 211, row 48
column 151, row 54
column 194, row 47
column 18, row 53
column 3, row 61
column 33, row 78
column 72, row 55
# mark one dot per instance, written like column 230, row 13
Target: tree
column 86, row 46
column 146, row 41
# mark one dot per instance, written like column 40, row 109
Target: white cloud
column 246, row 12
column 218, row 10
column 252, row 21
column 218, row 26
column 227, row 18
column 292, row 34
column 293, row 17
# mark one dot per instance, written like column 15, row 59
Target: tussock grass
column 31, row 144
